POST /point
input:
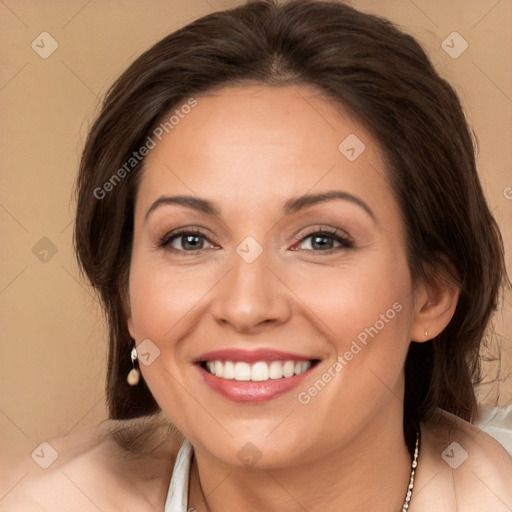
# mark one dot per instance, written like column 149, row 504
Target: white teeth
column 229, row 370
column 242, row 370
column 218, row 369
column 275, row 370
column 257, row 372
column 288, row 369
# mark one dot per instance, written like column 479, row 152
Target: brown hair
column 383, row 78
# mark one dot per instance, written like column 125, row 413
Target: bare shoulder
column 117, row 465
column 461, row 468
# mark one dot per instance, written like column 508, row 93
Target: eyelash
column 342, row 238
column 165, row 241
column 339, row 236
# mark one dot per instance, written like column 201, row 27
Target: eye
column 191, row 240
column 325, row 240
column 320, row 240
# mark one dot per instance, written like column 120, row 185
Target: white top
column 497, row 422
column 177, row 496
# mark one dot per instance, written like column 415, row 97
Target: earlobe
column 128, row 314
column 131, row 328
column 436, row 301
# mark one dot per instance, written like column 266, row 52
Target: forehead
column 256, row 145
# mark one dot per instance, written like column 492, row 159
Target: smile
column 253, row 376
column 258, row 372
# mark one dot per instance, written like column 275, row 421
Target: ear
column 435, row 300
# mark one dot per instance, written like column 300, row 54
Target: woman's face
column 316, row 291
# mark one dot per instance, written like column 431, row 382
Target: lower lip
column 250, row 391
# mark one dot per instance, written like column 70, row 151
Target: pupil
column 322, row 245
column 190, row 240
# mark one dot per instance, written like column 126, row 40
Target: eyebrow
column 298, row 203
column 195, row 203
column 291, row 206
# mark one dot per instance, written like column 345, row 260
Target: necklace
column 177, row 496
column 414, row 464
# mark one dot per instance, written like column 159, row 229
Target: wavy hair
column 384, row 79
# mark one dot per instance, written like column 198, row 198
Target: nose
column 251, row 297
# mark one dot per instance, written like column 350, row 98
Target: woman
column 280, row 209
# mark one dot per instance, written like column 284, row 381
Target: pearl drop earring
column 134, row 375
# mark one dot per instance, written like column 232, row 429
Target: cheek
column 165, row 303
column 163, row 298
column 364, row 311
column 359, row 300
column 365, row 314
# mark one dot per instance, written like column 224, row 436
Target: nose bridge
column 251, row 294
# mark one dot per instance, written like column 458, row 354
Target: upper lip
column 251, row 356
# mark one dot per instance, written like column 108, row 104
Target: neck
column 370, row 472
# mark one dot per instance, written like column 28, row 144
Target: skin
column 249, row 150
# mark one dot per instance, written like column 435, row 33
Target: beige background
column 53, row 347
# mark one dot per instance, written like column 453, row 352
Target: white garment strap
column 177, row 495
